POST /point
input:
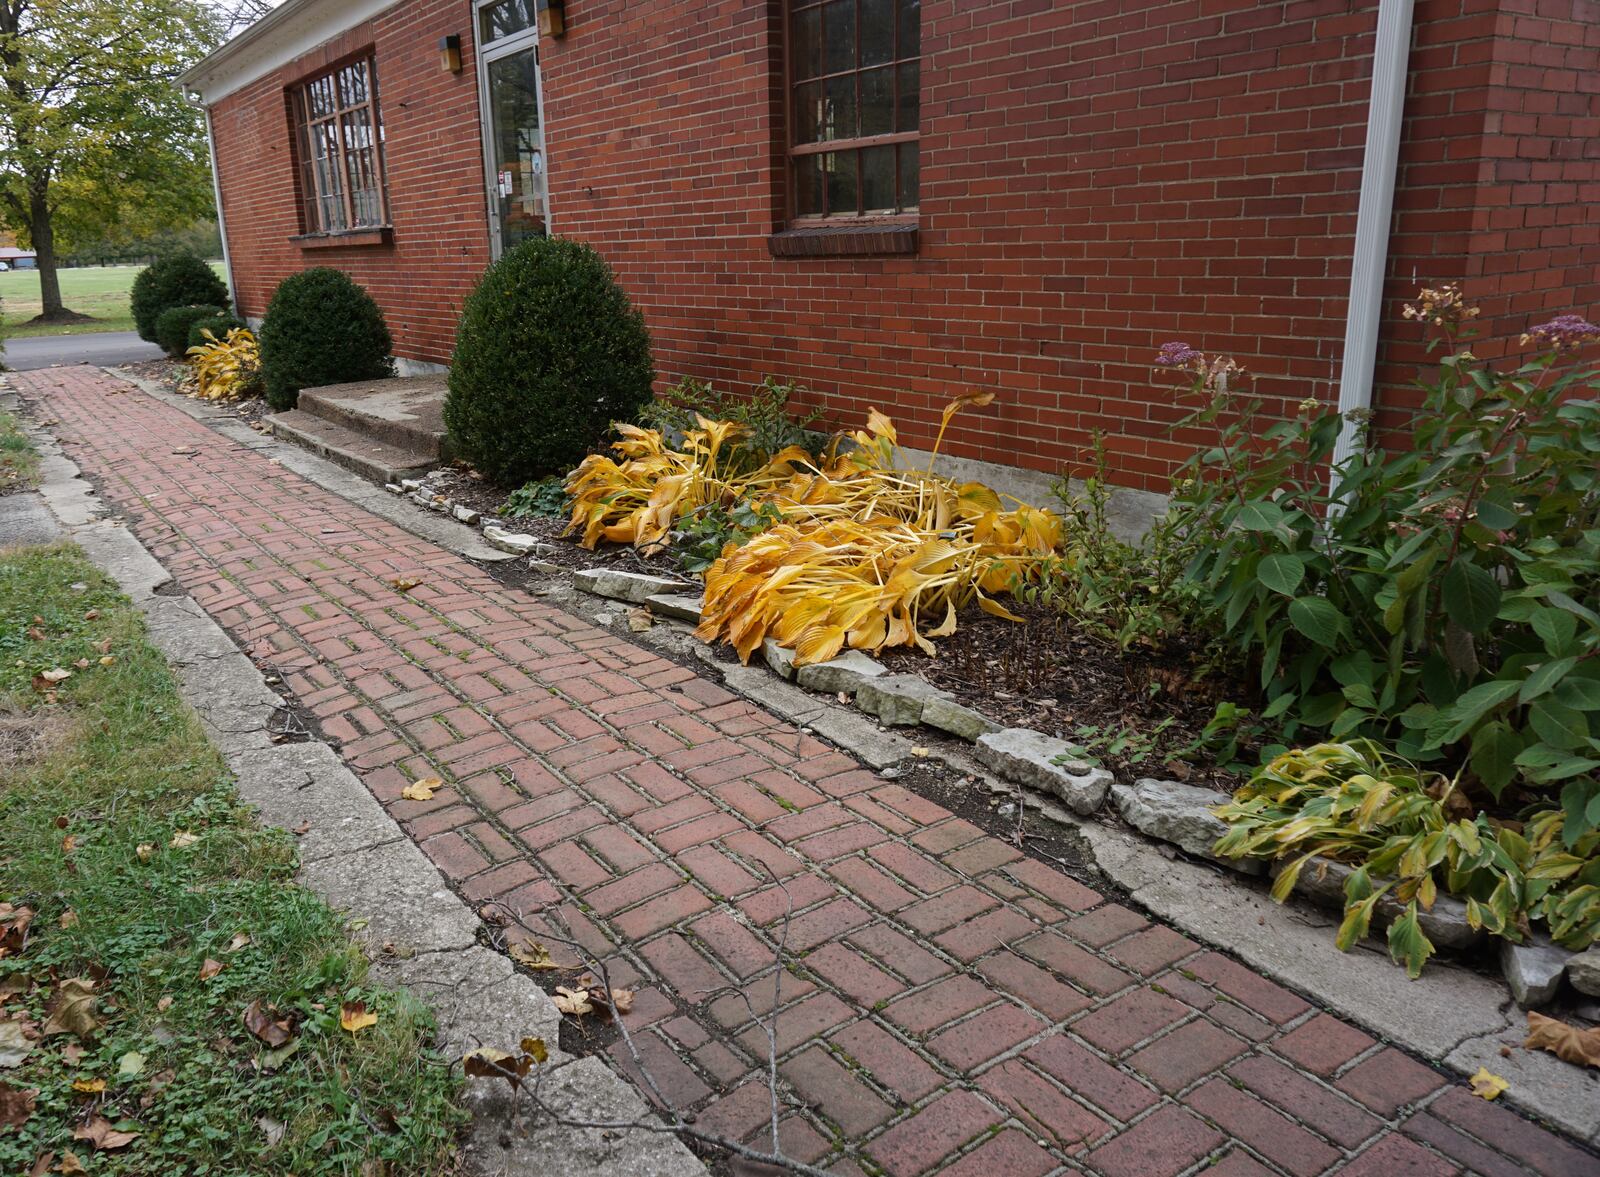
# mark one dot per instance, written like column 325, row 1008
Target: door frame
column 487, row 53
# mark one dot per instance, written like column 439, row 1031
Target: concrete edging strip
column 420, row 934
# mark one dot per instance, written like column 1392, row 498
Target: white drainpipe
column 216, row 187
column 1371, row 256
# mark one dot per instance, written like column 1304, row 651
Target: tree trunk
column 43, row 235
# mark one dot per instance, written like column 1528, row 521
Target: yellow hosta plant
column 638, row 500
column 225, row 369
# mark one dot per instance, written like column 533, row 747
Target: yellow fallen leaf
column 182, row 839
column 488, row 1063
column 106, row 660
column 531, row 954
column 422, row 790
column 1487, row 1086
column 535, row 1049
column 355, row 1017
column 90, row 1086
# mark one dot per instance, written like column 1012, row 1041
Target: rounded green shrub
column 175, row 280
column 549, row 353
column 218, row 324
column 321, row 328
column 172, row 327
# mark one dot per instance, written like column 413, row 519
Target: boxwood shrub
column 218, row 324
column 173, row 324
column 549, row 353
column 174, row 280
column 321, row 328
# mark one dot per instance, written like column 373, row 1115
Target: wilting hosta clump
column 226, row 369
column 862, row 553
column 1411, row 835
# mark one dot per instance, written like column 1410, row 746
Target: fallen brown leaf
column 1568, row 1043
column 70, row 1164
column 73, row 1009
column 573, row 1002
column 268, row 1023
column 531, row 954
column 100, row 1133
column 404, row 584
column 210, row 969
column 16, row 1106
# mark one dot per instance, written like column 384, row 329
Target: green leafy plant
column 549, row 354
column 176, row 280
column 705, row 534
column 1410, row 836
column 544, row 498
column 321, row 328
column 771, row 423
column 174, row 323
column 1134, row 593
column 1443, row 594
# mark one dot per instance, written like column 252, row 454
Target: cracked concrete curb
column 422, row 936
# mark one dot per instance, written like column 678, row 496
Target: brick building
column 890, row 200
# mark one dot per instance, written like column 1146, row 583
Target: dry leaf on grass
column 89, row 1086
column 102, row 1134
column 183, row 839
column 73, row 1009
column 16, row 1106
column 268, row 1023
column 70, row 1164
column 240, row 940
column 14, row 923
column 355, row 1017
column 14, row 1045
column 422, row 790
column 531, row 954
column 1568, row 1043
column 210, row 968
column 1487, row 1086
column 145, row 851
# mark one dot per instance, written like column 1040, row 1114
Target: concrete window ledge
column 844, row 240
column 380, row 235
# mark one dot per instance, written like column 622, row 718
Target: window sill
column 381, row 235
column 836, row 240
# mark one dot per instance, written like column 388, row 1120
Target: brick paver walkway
column 951, row 1006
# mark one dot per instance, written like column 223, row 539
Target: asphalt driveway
column 106, row 347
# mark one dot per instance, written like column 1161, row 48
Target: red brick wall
column 435, row 171
column 1098, row 177
column 1499, row 186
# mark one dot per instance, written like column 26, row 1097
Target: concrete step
column 368, row 457
column 405, row 412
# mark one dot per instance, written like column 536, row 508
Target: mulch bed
column 1050, row 675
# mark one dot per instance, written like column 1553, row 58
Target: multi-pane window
column 341, row 150
column 854, row 77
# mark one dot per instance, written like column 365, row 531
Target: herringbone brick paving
column 948, row 1005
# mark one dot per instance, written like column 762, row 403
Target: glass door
column 508, row 79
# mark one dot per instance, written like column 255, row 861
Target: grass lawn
column 18, row 462
column 101, row 291
column 170, row 1002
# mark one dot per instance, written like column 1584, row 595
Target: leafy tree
column 94, row 137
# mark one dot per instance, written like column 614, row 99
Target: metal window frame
column 854, row 146
column 487, row 53
column 312, row 196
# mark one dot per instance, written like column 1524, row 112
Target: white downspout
column 1370, row 261
column 216, row 188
